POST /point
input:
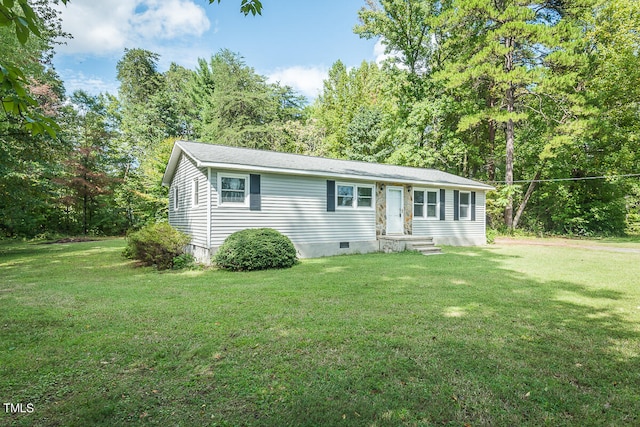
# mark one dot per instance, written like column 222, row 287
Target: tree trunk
column 508, row 177
column 510, row 135
column 527, row 196
column 491, row 167
column 491, row 164
column 84, row 211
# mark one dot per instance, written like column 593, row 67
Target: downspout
column 209, row 189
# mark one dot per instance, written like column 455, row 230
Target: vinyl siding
column 187, row 218
column 449, row 230
column 297, row 207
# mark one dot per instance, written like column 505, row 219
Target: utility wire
column 631, row 175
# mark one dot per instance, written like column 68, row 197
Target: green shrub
column 256, row 249
column 183, row 261
column 156, row 244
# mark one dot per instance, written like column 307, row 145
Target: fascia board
column 285, row 171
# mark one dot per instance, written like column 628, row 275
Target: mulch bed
column 71, row 240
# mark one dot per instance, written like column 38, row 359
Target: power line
column 521, row 181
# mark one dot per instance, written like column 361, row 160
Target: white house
column 325, row 206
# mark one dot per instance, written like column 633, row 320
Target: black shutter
column 473, row 206
column 456, row 205
column 331, row 196
column 442, row 207
column 255, row 199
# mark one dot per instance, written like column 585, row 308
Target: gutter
column 378, row 178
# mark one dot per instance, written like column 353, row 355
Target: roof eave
column 172, row 164
column 378, row 178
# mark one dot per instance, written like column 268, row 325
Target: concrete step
column 424, row 246
column 430, row 251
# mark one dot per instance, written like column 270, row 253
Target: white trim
column 376, row 178
column 195, row 192
column 373, row 195
column 173, row 160
column 355, row 187
column 401, row 190
column 468, row 216
column 426, row 204
column 176, row 200
column 245, row 203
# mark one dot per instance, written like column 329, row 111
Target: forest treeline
column 516, row 93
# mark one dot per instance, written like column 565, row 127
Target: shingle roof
column 221, row 156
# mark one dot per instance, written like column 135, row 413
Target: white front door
column 395, row 210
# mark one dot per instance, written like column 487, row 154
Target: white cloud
column 306, row 80
column 381, row 55
column 77, row 80
column 379, row 52
column 103, row 27
column 168, row 19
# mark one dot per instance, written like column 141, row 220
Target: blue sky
column 294, row 42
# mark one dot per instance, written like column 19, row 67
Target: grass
column 631, row 241
column 502, row 335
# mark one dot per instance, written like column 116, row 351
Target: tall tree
column 237, row 106
column 519, row 50
column 29, row 156
column 405, row 29
column 89, row 176
column 345, row 95
column 18, row 20
column 140, row 82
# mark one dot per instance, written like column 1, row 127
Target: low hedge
column 156, row 244
column 256, row 249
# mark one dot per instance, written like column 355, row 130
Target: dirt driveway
column 568, row 243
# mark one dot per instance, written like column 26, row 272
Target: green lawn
column 502, row 335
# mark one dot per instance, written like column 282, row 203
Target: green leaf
column 5, row 17
column 8, row 105
column 253, row 7
column 22, row 30
column 30, row 17
column 470, row 121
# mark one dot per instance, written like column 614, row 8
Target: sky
column 292, row 42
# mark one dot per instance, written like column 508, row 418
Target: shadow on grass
column 397, row 339
column 493, row 347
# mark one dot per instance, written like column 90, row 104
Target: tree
column 89, row 173
column 363, row 136
column 346, row 94
column 17, row 101
column 523, row 53
column 236, row 106
column 606, row 144
column 25, row 21
column 29, row 159
column 154, row 105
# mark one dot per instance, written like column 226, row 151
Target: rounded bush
column 156, row 244
column 256, row 249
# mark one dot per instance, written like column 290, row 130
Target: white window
column 233, row 189
column 465, row 203
column 432, row 204
column 426, row 204
column 195, row 192
column 345, row 196
column 354, row 196
column 175, row 198
column 365, row 197
column 418, row 203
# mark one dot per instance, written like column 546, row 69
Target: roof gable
column 247, row 159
